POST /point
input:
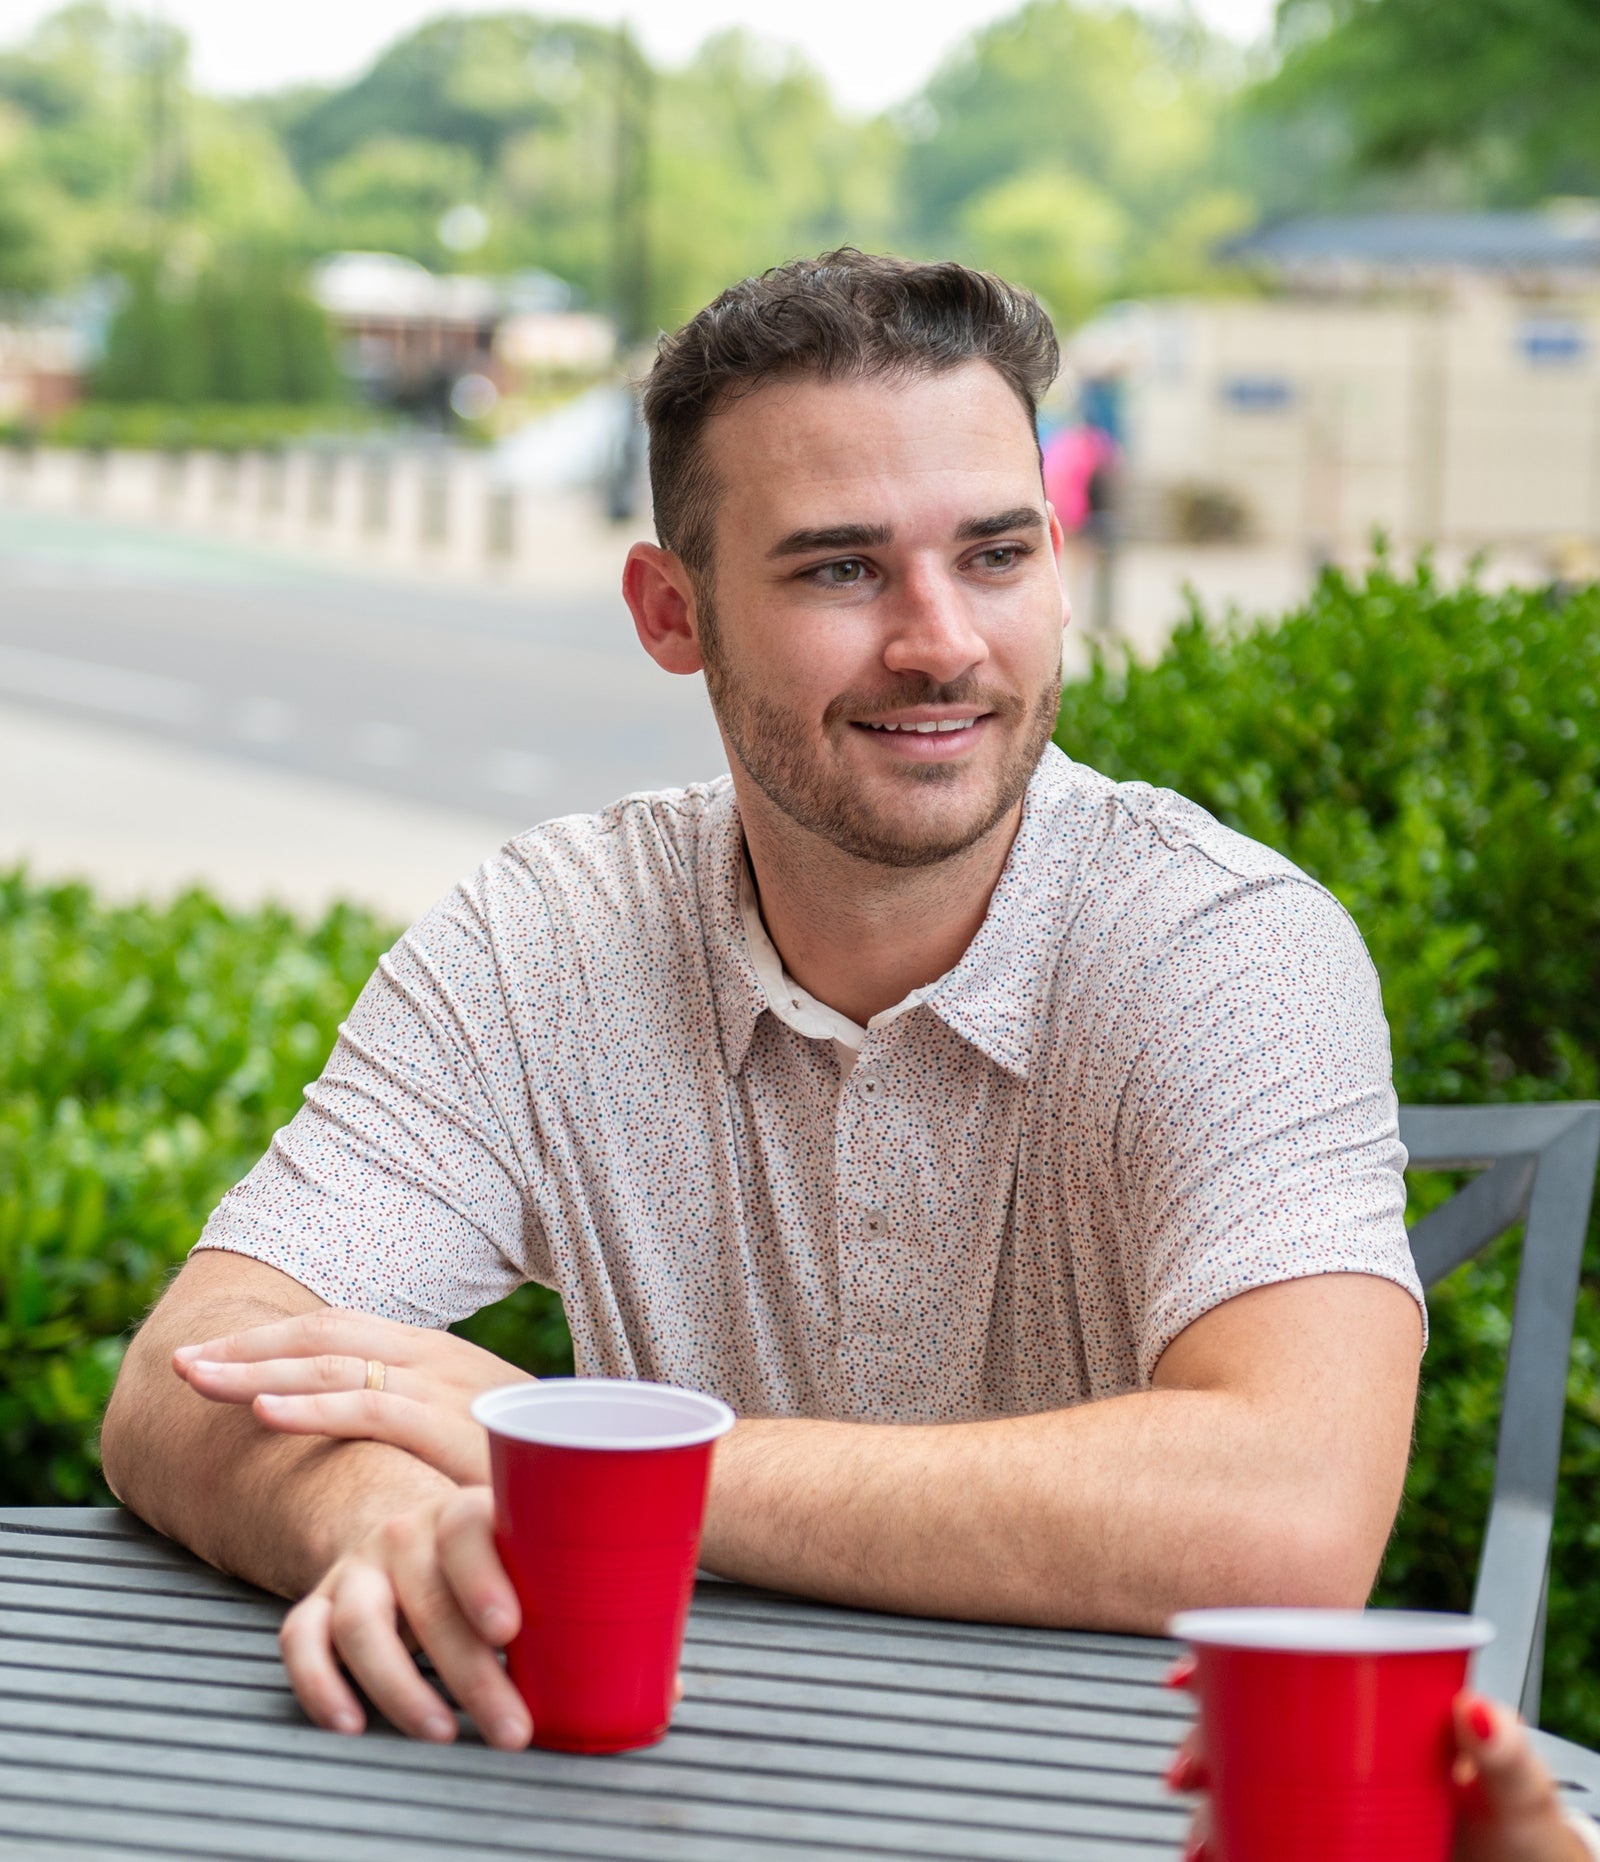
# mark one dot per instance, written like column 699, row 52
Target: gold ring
column 376, row 1373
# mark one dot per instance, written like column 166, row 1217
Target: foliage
column 1074, row 149
column 1506, row 89
column 245, row 333
column 1078, row 148
column 146, row 1057
column 1433, row 756
column 209, row 426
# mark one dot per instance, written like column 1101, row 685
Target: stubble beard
column 827, row 803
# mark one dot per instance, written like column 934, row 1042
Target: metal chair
column 1537, row 1165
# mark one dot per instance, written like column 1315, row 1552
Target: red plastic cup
column 599, row 1494
column 1327, row 1734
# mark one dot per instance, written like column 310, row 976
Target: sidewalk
column 140, row 820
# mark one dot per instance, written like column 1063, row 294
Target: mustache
column 860, row 707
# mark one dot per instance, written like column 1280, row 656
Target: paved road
column 510, row 708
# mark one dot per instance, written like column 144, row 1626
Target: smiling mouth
column 933, row 726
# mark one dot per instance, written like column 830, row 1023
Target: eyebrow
column 875, row 536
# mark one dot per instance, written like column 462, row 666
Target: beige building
column 1437, row 377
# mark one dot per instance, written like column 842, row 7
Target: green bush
column 1432, row 755
column 155, row 426
column 146, row 1058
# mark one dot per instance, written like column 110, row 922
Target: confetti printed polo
column 1158, row 1077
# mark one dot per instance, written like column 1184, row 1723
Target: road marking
column 115, row 689
column 518, row 772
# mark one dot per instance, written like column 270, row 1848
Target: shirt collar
column 993, row 998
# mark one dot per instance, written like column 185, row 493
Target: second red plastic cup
column 600, row 1491
column 1327, row 1734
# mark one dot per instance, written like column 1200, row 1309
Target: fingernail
column 496, row 1624
column 186, row 1352
column 204, row 1365
column 509, row 1733
column 1183, row 1774
column 1181, row 1673
column 1480, row 1720
column 438, row 1727
column 347, row 1722
column 267, row 1401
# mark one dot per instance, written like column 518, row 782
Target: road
column 510, row 708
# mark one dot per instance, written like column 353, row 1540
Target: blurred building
column 1435, row 375
column 408, row 337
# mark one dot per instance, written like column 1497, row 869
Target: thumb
column 1515, row 1785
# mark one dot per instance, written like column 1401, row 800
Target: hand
column 1508, row 1810
column 307, row 1376
column 432, row 1572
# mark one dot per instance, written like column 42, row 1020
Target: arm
column 273, row 1508
column 1265, row 1466
column 374, row 1537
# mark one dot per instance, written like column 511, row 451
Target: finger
column 1514, row 1782
column 465, row 1662
column 305, row 1641
column 241, row 1380
column 471, row 1566
column 351, row 1334
column 445, row 1439
column 367, row 1640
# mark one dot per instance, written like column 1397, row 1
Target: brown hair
column 844, row 314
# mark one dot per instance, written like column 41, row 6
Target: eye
column 845, row 573
column 1001, row 556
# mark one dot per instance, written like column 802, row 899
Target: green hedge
column 1432, row 755
column 146, row 1058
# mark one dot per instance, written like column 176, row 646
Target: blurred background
column 319, row 459
column 318, row 462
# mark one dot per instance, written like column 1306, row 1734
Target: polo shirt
column 1158, row 1077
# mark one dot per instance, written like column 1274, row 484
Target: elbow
column 1311, row 1559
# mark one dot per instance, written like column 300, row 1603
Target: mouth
column 926, row 736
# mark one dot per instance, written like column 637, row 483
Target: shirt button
column 870, row 1087
column 874, row 1222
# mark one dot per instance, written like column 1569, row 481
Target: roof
column 1559, row 238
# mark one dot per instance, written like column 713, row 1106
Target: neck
column 858, row 936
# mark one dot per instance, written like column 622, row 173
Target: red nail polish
column 1481, row 1720
column 1181, row 1673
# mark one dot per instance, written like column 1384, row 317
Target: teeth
column 942, row 724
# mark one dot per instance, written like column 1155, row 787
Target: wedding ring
column 376, row 1373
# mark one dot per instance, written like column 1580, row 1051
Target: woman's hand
column 309, row 1376
column 1509, row 1808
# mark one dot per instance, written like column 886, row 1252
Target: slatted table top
column 143, row 1712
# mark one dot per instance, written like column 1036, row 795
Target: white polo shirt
column 1158, row 1077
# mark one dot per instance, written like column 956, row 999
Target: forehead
column 910, row 450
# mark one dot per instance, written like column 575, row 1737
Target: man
column 1015, row 1152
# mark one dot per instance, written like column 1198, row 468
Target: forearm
column 1110, row 1515
column 274, row 1509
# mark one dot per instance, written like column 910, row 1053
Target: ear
column 660, row 597
column 1058, row 544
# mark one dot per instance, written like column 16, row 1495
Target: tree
column 1504, row 89
column 1078, row 149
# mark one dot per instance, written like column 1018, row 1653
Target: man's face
column 882, row 632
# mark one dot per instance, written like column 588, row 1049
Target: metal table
column 143, row 1713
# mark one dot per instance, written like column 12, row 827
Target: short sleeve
column 1257, row 1137
column 399, row 1187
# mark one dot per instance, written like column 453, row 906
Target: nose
column 931, row 628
